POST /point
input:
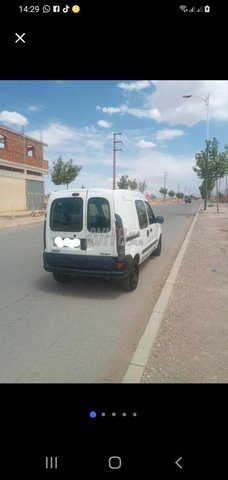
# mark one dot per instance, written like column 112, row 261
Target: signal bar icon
column 51, row 463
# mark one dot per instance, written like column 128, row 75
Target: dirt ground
column 192, row 343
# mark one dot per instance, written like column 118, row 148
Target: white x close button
column 20, row 37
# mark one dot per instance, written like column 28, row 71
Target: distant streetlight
column 206, row 101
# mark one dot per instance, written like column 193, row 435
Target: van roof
column 108, row 191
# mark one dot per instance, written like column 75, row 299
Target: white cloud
column 34, row 108
column 145, row 144
column 104, row 124
column 137, row 85
column 93, row 150
column 174, row 109
column 152, row 113
column 55, row 135
column 168, row 134
column 166, row 103
column 13, row 118
column 110, row 110
column 151, row 165
column 82, row 144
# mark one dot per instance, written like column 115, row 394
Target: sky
column 161, row 130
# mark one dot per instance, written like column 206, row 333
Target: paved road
column 85, row 331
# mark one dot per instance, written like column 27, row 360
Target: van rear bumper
column 87, row 265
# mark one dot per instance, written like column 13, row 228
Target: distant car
column 188, row 199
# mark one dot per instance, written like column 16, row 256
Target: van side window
column 150, row 213
column 98, row 215
column 141, row 211
column 66, row 215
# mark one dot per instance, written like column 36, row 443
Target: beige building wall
column 12, row 194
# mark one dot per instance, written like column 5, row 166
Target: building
column 22, row 170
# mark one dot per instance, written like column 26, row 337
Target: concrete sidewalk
column 21, row 218
column 192, row 342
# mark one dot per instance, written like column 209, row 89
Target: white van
column 100, row 233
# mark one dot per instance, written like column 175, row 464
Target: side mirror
column 159, row 219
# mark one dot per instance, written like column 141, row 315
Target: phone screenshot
column 113, row 234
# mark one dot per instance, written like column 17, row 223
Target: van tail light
column 120, row 264
column 44, row 235
column 120, row 240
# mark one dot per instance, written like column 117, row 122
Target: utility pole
column 114, row 157
column 165, row 176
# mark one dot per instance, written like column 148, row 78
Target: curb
column 142, row 353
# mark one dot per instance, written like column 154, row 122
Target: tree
column 180, row 195
column 163, row 191
column 210, row 186
column 210, row 166
column 142, row 186
column 123, row 182
column 126, row 183
column 226, row 157
column 133, row 184
column 64, row 173
column 171, row 193
column 218, row 160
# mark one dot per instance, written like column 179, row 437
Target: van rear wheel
column 61, row 277
column 130, row 283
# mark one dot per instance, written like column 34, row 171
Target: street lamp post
column 206, row 101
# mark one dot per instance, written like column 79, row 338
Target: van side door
column 153, row 229
column 144, row 229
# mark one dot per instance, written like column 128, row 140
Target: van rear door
column 101, row 231
column 67, row 224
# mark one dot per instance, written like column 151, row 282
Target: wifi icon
column 183, row 8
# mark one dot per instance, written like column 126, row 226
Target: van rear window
column 98, row 218
column 67, row 215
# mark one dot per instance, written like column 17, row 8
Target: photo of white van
column 100, row 233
